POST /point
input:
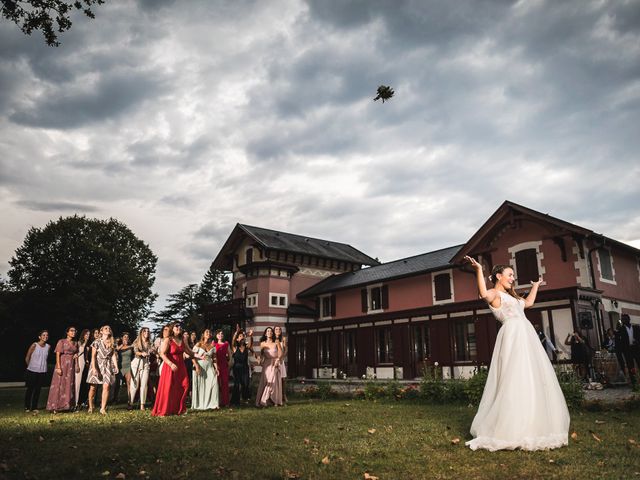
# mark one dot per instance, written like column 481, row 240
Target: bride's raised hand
column 536, row 283
column 474, row 263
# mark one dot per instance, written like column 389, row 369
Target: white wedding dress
column 522, row 404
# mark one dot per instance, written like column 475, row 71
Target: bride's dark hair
column 499, row 269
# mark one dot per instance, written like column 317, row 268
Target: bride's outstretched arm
column 488, row 295
column 531, row 298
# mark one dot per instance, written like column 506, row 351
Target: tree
column 384, row 93
column 215, row 287
column 85, row 272
column 32, row 15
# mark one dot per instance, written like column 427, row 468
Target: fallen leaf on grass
column 41, row 438
column 574, row 436
column 142, row 472
column 372, row 431
column 455, row 441
column 369, row 477
column 121, row 476
column 551, row 460
column 306, row 441
column 290, row 474
column 106, row 473
column 632, row 441
column 595, row 437
column 599, row 422
column 326, row 460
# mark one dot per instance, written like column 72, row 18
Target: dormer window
column 248, row 256
column 375, row 298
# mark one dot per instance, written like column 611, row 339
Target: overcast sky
column 181, row 122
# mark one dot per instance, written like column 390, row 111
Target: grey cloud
column 111, row 97
column 41, row 206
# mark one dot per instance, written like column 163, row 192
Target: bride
column 522, row 404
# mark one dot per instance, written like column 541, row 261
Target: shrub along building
column 389, row 318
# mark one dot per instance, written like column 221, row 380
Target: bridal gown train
column 522, row 404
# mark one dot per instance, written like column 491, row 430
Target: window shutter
column 527, row 266
column 385, row 296
column 333, row 305
column 363, row 295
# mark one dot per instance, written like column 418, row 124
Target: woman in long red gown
column 222, row 357
column 173, row 387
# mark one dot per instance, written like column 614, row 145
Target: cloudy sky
column 183, row 118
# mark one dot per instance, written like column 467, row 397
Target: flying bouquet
column 384, row 93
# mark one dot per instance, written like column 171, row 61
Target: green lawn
column 337, row 439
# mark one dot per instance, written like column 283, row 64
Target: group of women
column 170, row 368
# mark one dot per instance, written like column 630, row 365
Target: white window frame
column 539, row 257
column 369, row 298
column 252, row 300
column 280, row 296
column 321, row 316
column 433, row 287
column 613, row 270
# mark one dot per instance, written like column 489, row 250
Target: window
column 252, row 300
column 324, row 347
column 278, row 300
column 375, row 298
column 421, row 342
column 384, row 345
column 442, row 286
column 605, row 262
column 248, row 256
column 349, row 346
column 301, row 352
column 464, row 337
column 328, row 306
column 527, row 266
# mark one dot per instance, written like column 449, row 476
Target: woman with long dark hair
column 173, row 387
column 280, row 338
column 522, row 405
column 222, row 359
column 62, row 393
column 240, row 353
column 35, row 376
column 125, row 356
column 270, row 386
column 103, row 369
column 84, row 361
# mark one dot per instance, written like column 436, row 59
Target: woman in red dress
column 222, row 357
column 173, row 387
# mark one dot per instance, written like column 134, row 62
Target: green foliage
column 474, row 387
column 49, row 16
column 393, row 390
column 572, row 389
column 324, row 390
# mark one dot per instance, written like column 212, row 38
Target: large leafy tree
column 50, row 16
column 86, row 272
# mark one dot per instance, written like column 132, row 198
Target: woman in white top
column 36, row 373
column 142, row 349
column 522, row 405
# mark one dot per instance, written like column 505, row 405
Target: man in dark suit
column 628, row 344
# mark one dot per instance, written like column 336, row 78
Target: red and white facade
column 386, row 319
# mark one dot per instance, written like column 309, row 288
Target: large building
column 345, row 313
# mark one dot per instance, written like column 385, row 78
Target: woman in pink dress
column 173, row 388
column 270, row 386
column 222, row 357
column 62, row 394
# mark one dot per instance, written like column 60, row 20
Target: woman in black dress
column 240, row 353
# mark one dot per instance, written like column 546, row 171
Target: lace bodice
column 510, row 308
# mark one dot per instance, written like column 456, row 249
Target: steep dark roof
column 289, row 242
column 404, row 267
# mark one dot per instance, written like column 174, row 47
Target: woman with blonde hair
column 204, row 386
column 104, row 367
column 140, row 366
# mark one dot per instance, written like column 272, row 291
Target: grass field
column 311, row 439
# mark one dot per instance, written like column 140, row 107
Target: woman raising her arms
column 522, row 404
